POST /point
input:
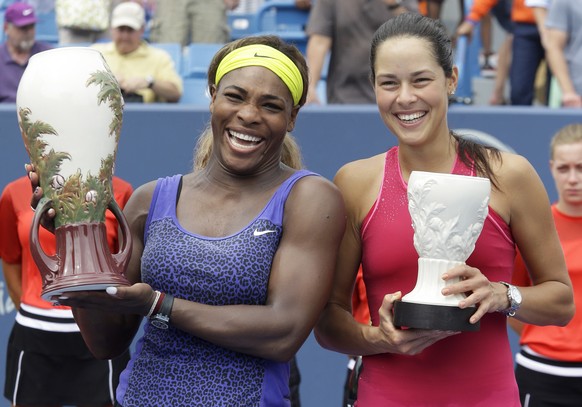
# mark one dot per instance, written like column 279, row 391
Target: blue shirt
column 11, row 71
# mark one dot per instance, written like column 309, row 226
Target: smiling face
column 412, row 90
column 252, row 109
column 566, row 168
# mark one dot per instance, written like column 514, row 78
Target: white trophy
column 448, row 212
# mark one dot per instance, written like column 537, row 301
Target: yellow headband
column 267, row 57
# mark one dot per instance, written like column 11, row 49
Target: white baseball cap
column 128, row 14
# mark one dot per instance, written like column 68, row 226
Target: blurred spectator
column 543, row 75
column 501, row 10
column 145, row 74
column 20, row 45
column 540, row 10
column 345, row 28
column 527, row 52
column 549, row 365
column 188, row 21
column 563, row 44
column 488, row 67
column 82, row 21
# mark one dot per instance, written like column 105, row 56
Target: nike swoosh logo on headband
column 263, row 56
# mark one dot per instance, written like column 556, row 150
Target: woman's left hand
column 482, row 293
column 136, row 299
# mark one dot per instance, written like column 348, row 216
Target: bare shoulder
column 512, row 170
column 359, row 181
column 359, row 172
column 314, row 212
column 520, row 190
column 315, row 189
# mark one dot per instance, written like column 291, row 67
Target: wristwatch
column 397, row 3
column 150, row 80
column 514, row 297
column 161, row 319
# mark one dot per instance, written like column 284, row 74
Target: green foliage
column 46, row 164
column 75, row 200
column 109, row 92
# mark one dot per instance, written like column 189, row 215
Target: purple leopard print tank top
column 173, row 368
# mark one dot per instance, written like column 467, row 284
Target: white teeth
column 244, row 137
column 410, row 117
column 235, row 142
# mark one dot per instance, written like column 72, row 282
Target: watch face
column 516, row 295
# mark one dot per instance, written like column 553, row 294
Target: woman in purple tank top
column 232, row 264
column 413, row 75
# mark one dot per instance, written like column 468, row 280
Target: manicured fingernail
column 111, row 290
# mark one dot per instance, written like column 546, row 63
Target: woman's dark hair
column 272, row 41
column 417, row 26
column 435, row 34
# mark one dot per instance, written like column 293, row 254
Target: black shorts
column 538, row 389
column 57, row 368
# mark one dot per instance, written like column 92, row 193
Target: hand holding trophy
column 448, row 212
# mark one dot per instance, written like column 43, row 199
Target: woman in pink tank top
column 413, row 76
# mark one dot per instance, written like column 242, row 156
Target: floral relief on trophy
column 78, row 197
column 436, row 236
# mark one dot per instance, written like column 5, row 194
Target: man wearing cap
column 145, row 74
column 20, row 45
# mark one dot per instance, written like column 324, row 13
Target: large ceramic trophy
column 448, row 212
column 70, row 111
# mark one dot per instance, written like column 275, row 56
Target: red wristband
column 158, row 304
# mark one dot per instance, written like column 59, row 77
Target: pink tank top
column 469, row 369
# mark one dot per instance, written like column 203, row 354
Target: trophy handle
column 43, row 261
column 124, row 254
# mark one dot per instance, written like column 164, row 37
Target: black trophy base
column 435, row 317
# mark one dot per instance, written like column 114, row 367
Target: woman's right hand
column 48, row 218
column 404, row 341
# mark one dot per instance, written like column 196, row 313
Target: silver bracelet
column 150, row 312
